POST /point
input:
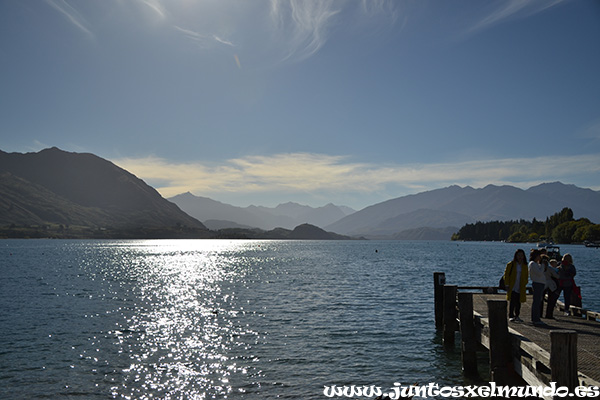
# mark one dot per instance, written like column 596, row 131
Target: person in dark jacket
column 566, row 273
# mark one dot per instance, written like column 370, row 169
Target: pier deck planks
column 588, row 332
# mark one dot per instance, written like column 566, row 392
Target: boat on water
column 552, row 250
column 591, row 244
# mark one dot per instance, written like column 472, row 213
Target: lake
column 204, row 319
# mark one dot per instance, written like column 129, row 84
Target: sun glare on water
column 181, row 337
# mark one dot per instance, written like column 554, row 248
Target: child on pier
column 551, row 286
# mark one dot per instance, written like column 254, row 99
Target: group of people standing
column 547, row 277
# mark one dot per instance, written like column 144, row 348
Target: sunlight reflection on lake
column 181, row 333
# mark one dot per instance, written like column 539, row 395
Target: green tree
column 564, row 232
column 580, row 234
column 561, row 227
column 593, row 233
column 533, row 237
column 565, row 215
column 517, row 237
column 589, row 232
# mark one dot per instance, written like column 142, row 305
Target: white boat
column 552, row 250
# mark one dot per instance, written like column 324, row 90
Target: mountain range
column 441, row 210
column 430, row 215
column 54, row 187
column 217, row 215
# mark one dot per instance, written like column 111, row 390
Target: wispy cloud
column 303, row 24
column 510, row 9
column 318, row 173
column 223, row 41
column 290, row 31
column 193, row 35
column 72, row 15
column 205, row 40
column 156, row 6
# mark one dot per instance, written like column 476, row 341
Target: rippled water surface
column 202, row 319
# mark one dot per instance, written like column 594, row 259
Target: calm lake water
column 203, row 319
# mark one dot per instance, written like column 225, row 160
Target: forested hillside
column 560, row 228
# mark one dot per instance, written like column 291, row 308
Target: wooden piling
column 500, row 343
column 449, row 314
column 563, row 358
column 467, row 334
column 514, row 359
column 439, row 280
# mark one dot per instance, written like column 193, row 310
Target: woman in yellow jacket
column 516, row 276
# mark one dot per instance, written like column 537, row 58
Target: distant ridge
column 451, row 207
column 80, row 189
column 287, row 215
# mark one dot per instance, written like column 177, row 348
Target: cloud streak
column 156, row 6
column 297, row 173
column 303, row 25
column 205, row 41
column 507, row 10
column 71, row 14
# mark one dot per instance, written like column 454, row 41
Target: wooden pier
column 566, row 351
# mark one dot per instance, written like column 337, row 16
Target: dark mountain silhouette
column 301, row 232
column 80, row 189
column 288, row 215
column 26, row 203
column 454, row 206
column 307, row 231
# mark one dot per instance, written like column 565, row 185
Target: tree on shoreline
column 560, row 228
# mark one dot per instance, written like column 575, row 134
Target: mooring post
column 449, row 314
column 563, row 358
column 439, row 280
column 500, row 343
column 467, row 334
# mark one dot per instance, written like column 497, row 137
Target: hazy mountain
column 370, row 217
column 216, row 224
column 59, row 187
column 419, row 219
column 288, row 215
column 425, row 234
column 454, row 206
column 583, row 202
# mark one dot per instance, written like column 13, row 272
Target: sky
column 347, row 102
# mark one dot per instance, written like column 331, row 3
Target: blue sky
column 350, row 102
